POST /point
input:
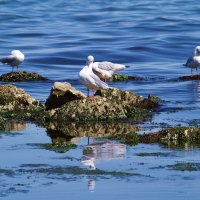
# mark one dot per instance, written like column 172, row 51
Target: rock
column 111, row 104
column 189, row 78
column 2, row 124
column 176, row 136
column 121, row 77
column 21, row 76
column 62, row 93
column 12, row 97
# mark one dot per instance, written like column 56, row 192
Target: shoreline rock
column 107, row 105
column 175, row 136
column 61, row 93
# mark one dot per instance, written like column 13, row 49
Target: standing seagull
column 14, row 60
column 104, row 70
column 91, row 80
column 194, row 62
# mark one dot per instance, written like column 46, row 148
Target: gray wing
column 109, row 66
column 8, row 59
column 98, row 82
column 190, row 60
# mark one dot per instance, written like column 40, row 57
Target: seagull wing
column 189, row 61
column 109, row 66
column 97, row 81
column 8, row 59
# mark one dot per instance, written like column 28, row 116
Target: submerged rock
column 177, row 136
column 191, row 77
column 121, row 77
column 111, row 104
column 62, row 93
column 21, row 76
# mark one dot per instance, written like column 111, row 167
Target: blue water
column 154, row 37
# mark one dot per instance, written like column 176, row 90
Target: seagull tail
column 3, row 60
column 127, row 66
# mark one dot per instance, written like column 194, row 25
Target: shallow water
column 155, row 39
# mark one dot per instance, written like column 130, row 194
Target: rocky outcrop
column 62, row 93
column 12, row 97
column 173, row 135
column 21, row 76
column 111, row 104
column 121, row 77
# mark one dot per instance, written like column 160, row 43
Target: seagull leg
column 88, row 92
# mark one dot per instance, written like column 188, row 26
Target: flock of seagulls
column 95, row 74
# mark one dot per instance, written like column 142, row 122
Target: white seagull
column 104, row 70
column 91, row 80
column 194, row 62
column 14, row 60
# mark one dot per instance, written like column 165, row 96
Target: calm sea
column 154, row 37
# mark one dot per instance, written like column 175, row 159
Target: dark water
column 154, row 37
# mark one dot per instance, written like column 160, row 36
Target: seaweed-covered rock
column 111, row 104
column 62, row 93
column 176, row 135
column 12, row 97
column 191, row 77
column 21, row 76
column 121, row 77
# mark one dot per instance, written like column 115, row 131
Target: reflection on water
column 196, row 88
column 89, row 129
column 105, row 150
column 15, row 126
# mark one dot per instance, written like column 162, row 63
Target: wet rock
column 2, row 123
column 177, row 136
column 121, row 77
column 21, row 76
column 111, row 104
column 12, row 97
column 191, row 77
column 62, row 93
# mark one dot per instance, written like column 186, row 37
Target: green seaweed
column 78, row 171
column 60, row 146
column 185, row 166
column 156, row 154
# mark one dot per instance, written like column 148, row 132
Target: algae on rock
column 107, row 105
column 21, row 76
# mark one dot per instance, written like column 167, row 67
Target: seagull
column 105, row 70
column 194, row 62
column 14, row 60
column 90, row 79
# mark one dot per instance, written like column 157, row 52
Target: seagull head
column 18, row 54
column 90, row 59
column 197, row 51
